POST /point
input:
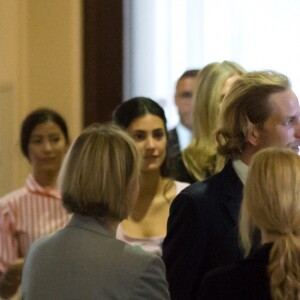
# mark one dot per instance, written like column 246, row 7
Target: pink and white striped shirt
column 25, row 215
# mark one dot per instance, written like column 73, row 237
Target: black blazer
column 173, row 147
column 202, row 231
column 247, row 279
column 176, row 166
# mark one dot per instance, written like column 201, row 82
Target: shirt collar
column 184, row 136
column 241, row 169
column 34, row 187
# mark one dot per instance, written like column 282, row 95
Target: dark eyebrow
column 56, row 133
column 138, row 130
column 36, row 135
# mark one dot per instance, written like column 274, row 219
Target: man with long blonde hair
column 260, row 110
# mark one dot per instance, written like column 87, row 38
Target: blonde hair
column 200, row 156
column 272, row 204
column 246, row 105
column 97, row 171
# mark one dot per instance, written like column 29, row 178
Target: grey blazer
column 85, row 261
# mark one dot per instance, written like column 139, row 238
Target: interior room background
column 83, row 57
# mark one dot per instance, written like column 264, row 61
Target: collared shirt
column 25, row 215
column 184, row 136
column 241, row 169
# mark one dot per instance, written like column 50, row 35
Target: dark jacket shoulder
column 246, row 279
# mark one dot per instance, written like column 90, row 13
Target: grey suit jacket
column 85, row 261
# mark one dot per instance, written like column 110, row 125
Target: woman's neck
column 149, row 188
column 149, row 181
column 46, row 180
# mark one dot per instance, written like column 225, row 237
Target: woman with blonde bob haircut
column 272, row 204
column 99, row 184
column 96, row 193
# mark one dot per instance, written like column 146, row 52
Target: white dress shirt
column 184, row 136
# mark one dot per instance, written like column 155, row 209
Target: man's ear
column 253, row 135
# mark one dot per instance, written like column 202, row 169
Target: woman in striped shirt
column 36, row 209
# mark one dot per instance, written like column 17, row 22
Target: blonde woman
column 145, row 121
column 99, row 185
column 271, row 204
column 200, row 157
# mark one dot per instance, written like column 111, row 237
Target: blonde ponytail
column 284, row 267
column 271, row 203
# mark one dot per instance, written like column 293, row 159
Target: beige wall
column 40, row 65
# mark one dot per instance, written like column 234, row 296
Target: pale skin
column 46, row 149
column 281, row 129
column 228, row 83
column 151, row 211
column 184, row 100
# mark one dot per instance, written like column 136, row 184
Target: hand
column 11, row 279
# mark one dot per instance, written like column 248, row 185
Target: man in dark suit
column 259, row 111
column 180, row 136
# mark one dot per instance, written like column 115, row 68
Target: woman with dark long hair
column 145, row 121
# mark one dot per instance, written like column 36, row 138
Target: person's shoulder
column 227, row 176
column 136, row 260
column 180, row 186
column 203, row 193
column 219, row 283
column 172, row 131
column 244, row 277
column 201, row 187
column 14, row 196
column 39, row 248
column 149, row 271
column 137, row 254
column 191, row 198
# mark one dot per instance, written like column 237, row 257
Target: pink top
column 151, row 244
column 25, row 215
